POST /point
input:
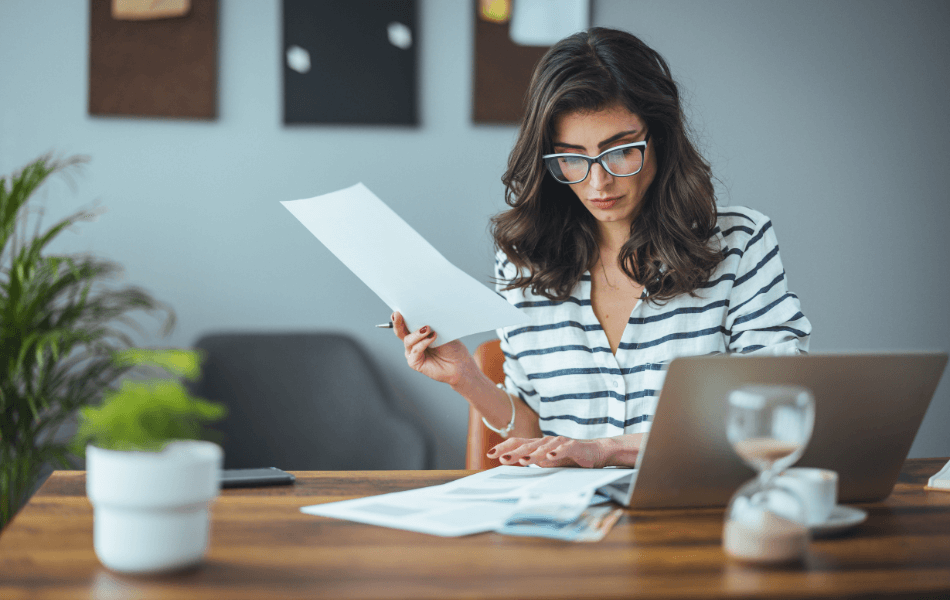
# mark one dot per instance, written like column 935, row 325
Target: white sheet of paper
column 401, row 267
column 422, row 510
column 517, row 482
column 473, row 504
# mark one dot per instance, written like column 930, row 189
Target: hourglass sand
column 768, row 427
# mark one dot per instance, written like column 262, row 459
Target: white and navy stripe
column 561, row 365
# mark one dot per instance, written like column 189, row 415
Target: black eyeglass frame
column 642, row 146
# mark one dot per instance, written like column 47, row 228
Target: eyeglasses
column 619, row 161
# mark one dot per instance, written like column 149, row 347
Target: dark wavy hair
column 548, row 233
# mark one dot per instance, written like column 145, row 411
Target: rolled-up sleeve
column 764, row 317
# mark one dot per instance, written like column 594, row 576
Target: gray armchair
column 305, row 401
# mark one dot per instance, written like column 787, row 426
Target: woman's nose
column 599, row 177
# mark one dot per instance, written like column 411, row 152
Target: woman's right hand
column 445, row 363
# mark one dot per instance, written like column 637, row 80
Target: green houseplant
column 149, row 479
column 147, row 415
column 61, row 319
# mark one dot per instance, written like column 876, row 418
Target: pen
column 386, row 325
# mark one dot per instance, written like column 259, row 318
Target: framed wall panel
column 350, row 62
column 511, row 36
column 502, row 70
column 164, row 67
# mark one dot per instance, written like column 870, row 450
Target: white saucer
column 841, row 519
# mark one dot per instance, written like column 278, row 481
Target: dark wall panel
column 356, row 62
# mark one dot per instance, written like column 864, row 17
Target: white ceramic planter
column 151, row 508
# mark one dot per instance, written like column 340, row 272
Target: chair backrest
column 489, row 358
column 305, row 401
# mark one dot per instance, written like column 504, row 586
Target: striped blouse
column 561, row 364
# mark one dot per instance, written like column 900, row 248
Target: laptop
column 868, row 408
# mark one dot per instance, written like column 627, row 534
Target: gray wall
column 830, row 117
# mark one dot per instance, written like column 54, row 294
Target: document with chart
column 401, row 267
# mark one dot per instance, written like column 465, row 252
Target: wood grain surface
column 263, row 547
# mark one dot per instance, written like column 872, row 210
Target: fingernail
column 392, row 317
column 506, row 457
column 491, row 452
column 424, row 329
column 552, row 454
column 523, row 459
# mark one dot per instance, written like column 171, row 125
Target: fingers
column 416, row 345
column 501, row 451
column 583, row 453
column 399, row 325
column 537, row 452
column 549, row 451
column 410, row 339
column 571, row 452
column 526, row 451
column 551, row 454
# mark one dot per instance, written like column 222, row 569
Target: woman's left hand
column 552, row 451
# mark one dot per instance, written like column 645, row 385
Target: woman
column 614, row 248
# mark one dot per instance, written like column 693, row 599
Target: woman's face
column 614, row 201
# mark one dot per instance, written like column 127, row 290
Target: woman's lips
column 603, row 203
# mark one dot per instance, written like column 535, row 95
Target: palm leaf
column 61, row 320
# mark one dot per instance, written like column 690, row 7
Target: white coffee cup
column 816, row 488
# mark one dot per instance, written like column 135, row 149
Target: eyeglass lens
column 620, row 162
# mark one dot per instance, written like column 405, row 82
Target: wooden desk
column 263, row 547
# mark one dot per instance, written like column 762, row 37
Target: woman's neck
column 612, row 238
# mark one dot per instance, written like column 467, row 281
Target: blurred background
column 829, row 117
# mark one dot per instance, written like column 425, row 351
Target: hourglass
column 768, row 427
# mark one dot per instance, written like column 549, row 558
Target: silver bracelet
column 506, row 431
